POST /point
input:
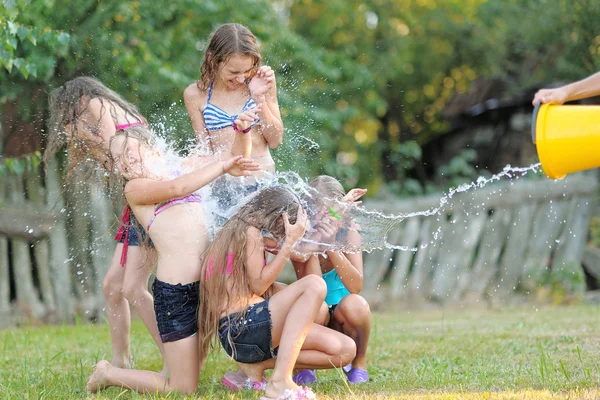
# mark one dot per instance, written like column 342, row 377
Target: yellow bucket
column 567, row 138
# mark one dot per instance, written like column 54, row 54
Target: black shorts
column 176, row 309
column 248, row 340
column 331, row 309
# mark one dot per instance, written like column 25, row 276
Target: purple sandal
column 236, row 382
column 357, row 375
column 305, row 377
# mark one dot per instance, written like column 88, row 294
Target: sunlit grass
column 504, row 354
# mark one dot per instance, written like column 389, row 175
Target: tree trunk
column 59, row 246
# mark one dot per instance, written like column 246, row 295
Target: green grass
column 505, row 354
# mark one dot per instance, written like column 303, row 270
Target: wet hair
column 328, row 186
column 226, row 41
column 219, row 289
column 139, row 132
column 117, row 182
column 68, row 104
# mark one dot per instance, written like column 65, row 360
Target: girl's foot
column 239, row 381
column 303, row 393
column 357, row 375
column 98, row 380
column 123, row 362
column 277, row 389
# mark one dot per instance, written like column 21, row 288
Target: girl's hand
column 324, row 229
column 556, row 96
column 353, row 195
column 245, row 119
column 294, row 232
column 238, row 166
column 261, row 82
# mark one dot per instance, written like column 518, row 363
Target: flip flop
column 236, row 382
column 305, row 377
column 357, row 375
column 303, row 393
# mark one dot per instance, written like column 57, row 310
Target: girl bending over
column 252, row 329
column 174, row 219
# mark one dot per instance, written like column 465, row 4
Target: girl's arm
column 311, row 266
column 349, row 266
column 261, row 276
column 270, row 115
column 192, row 97
column 148, row 191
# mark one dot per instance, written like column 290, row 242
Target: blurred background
column 407, row 98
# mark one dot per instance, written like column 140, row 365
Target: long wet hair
column 219, row 289
column 117, row 181
column 226, row 41
column 68, row 104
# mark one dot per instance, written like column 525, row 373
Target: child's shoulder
column 193, row 93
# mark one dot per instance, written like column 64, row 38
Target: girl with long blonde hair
column 251, row 327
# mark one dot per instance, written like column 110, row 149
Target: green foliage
column 20, row 165
column 359, row 83
column 594, row 239
column 561, row 285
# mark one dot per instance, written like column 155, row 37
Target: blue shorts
column 248, row 339
column 176, row 309
column 137, row 234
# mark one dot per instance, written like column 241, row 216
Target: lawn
column 525, row 353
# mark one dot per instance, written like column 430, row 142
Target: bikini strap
column 209, row 93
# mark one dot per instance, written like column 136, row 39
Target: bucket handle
column 536, row 109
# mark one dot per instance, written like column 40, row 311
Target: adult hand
column 556, row 96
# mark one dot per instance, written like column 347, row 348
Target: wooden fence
column 485, row 244
column 55, row 247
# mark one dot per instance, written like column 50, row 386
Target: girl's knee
column 355, row 309
column 185, row 387
column 348, row 351
column 315, row 284
column 111, row 287
column 134, row 291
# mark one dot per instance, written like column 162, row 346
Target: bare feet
column 254, row 372
column 278, row 388
column 98, row 380
column 123, row 362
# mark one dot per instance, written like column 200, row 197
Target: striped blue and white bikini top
column 216, row 118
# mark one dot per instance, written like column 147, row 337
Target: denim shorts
column 137, row 234
column 176, row 309
column 248, row 339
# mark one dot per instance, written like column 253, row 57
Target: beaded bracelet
column 238, row 130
